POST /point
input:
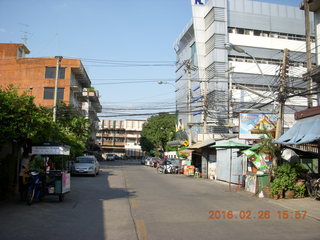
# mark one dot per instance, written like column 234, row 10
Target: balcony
column 81, row 75
column 121, row 135
column 119, row 144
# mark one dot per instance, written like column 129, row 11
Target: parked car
column 147, row 161
column 111, row 157
column 86, row 165
column 143, row 160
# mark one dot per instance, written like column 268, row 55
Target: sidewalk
column 311, row 206
column 300, row 204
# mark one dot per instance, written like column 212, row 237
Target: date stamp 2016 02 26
column 260, row 215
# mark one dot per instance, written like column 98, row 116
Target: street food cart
column 56, row 182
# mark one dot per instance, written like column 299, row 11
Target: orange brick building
column 37, row 75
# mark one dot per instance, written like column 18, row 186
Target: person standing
column 24, row 168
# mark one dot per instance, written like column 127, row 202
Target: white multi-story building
column 228, row 61
column 121, row 137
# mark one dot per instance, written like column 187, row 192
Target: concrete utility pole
column 59, row 58
column 188, row 68
column 308, row 49
column 282, row 93
column 230, row 110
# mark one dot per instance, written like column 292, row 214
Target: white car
column 86, row 165
column 111, row 157
column 147, row 161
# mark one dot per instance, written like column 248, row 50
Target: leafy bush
column 286, row 176
column 299, row 190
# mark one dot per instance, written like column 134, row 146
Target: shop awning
column 306, row 130
column 231, row 144
column 186, row 151
column 49, row 148
column 202, row 144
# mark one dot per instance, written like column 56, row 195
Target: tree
column 157, row 131
column 21, row 120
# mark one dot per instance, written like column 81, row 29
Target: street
column 130, row 201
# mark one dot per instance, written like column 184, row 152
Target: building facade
column 37, row 75
column 230, row 59
column 121, row 137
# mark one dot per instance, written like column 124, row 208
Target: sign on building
column 255, row 125
column 198, row 2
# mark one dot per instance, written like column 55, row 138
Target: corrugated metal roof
column 202, row 144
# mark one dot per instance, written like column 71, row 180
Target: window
column 51, row 72
column 20, row 53
column 49, row 93
column 256, row 33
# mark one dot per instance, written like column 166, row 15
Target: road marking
column 133, row 203
column 141, row 229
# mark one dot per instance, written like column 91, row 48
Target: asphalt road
column 129, row 201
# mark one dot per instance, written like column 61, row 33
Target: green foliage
column 21, row 119
column 300, row 190
column 18, row 115
column 276, row 186
column 37, row 163
column 157, row 131
column 267, row 146
column 286, row 176
column 146, row 144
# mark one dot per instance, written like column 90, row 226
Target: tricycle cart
column 55, row 182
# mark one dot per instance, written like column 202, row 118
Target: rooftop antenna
column 26, row 34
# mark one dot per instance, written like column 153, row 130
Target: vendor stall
column 56, row 182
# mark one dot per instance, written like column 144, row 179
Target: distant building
column 314, row 7
column 38, row 76
column 121, row 137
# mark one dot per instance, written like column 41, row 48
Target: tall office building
column 230, row 60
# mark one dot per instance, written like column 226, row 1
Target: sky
column 126, row 46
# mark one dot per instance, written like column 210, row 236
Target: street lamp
column 230, row 46
column 165, row 82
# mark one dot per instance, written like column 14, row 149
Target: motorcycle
column 168, row 168
column 35, row 187
column 313, row 187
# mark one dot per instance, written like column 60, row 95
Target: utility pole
column 308, row 49
column 188, row 70
column 230, row 113
column 282, row 94
column 59, row 58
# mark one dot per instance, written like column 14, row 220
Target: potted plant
column 285, row 178
column 300, row 191
column 276, row 188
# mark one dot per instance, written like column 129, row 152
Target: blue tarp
column 305, row 130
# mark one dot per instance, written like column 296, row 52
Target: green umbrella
column 231, row 144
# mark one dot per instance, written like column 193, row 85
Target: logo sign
column 199, row 2
column 255, row 125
